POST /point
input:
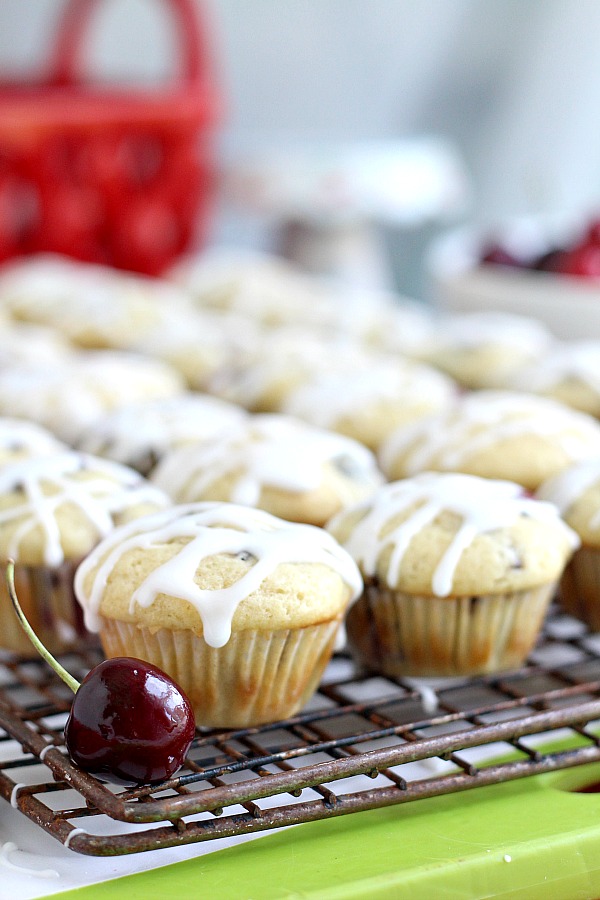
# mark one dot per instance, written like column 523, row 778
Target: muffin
column 494, row 434
column 576, row 493
column 94, row 306
column 239, row 607
column 264, row 287
column 369, row 405
column 66, row 398
column 53, row 510
column 276, row 463
column 199, row 344
column 282, row 360
column 458, row 573
column 141, row 434
column 483, row 349
column 569, row 373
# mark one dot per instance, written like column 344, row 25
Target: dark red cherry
column 551, row 261
column 497, row 255
column 129, row 722
column 582, row 261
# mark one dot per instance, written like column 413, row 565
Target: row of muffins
column 489, row 430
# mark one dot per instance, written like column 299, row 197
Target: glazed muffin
column 239, row 607
column 94, row 306
column 494, row 434
column 141, row 434
column 264, row 287
column 570, row 373
column 576, row 493
column 282, row 360
column 67, row 398
column 276, row 463
column 369, row 405
column 53, row 510
column 483, row 349
column 458, row 572
column 21, row 342
column 200, row 345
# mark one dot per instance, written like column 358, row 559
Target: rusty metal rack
column 366, row 741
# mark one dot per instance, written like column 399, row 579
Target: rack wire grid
column 365, row 741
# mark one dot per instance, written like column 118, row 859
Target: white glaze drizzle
column 14, row 794
column 45, row 751
column 458, row 434
column 331, row 397
column 482, row 504
column 73, row 834
column 9, row 847
column 268, row 450
column 210, row 529
column 569, row 485
column 112, row 489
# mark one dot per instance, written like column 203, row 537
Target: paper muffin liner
column 48, row 601
column 257, row 677
column 403, row 634
column 579, row 592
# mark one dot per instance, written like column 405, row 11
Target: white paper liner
column 257, row 677
column 403, row 634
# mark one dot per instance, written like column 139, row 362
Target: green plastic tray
column 528, row 839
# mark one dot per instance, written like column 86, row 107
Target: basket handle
column 75, row 20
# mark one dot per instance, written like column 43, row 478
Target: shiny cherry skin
column 129, row 723
column 497, row 255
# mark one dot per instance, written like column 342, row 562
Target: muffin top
column 494, row 434
column 21, row 439
column 274, row 462
column 67, row 398
column 262, row 286
column 452, row 534
column 483, row 349
column 56, row 508
column 576, row 493
column 284, row 359
column 94, row 306
column 569, row 373
column 214, row 567
column 369, row 404
column 140, row 434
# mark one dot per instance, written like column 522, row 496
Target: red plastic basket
column 107, row 174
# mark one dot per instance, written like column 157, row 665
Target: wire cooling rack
column 365, row 741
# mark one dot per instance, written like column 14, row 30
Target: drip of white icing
column 112, row 488
column 210, row 529
column 482, row 504
column 500, row 415
column 45, row 751
column 7, row 848
column 15, row 793
column 73, row 834
column 270, row 450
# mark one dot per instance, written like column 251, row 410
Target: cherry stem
column 44, row 653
